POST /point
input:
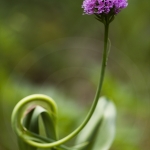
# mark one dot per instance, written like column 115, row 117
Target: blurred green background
column 49, row 47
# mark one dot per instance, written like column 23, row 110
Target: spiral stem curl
column 18, row 112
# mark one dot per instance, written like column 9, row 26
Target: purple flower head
column 103, row 6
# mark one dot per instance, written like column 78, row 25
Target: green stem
column 76, row 131
column 104, row 63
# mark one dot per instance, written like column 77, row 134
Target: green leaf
column 28, row 118
column 31, row 122
column 100, row 130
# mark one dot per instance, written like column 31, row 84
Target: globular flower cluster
column 103, row 6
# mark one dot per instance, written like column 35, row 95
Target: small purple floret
column 103, row 6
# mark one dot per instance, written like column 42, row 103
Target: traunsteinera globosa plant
column 97, row 130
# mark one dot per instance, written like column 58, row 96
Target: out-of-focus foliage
column 99, row 133
column 41, row 51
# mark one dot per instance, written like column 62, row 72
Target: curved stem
column 76, row 131
column 104, row 63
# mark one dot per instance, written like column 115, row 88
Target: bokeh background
column 49, row 47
